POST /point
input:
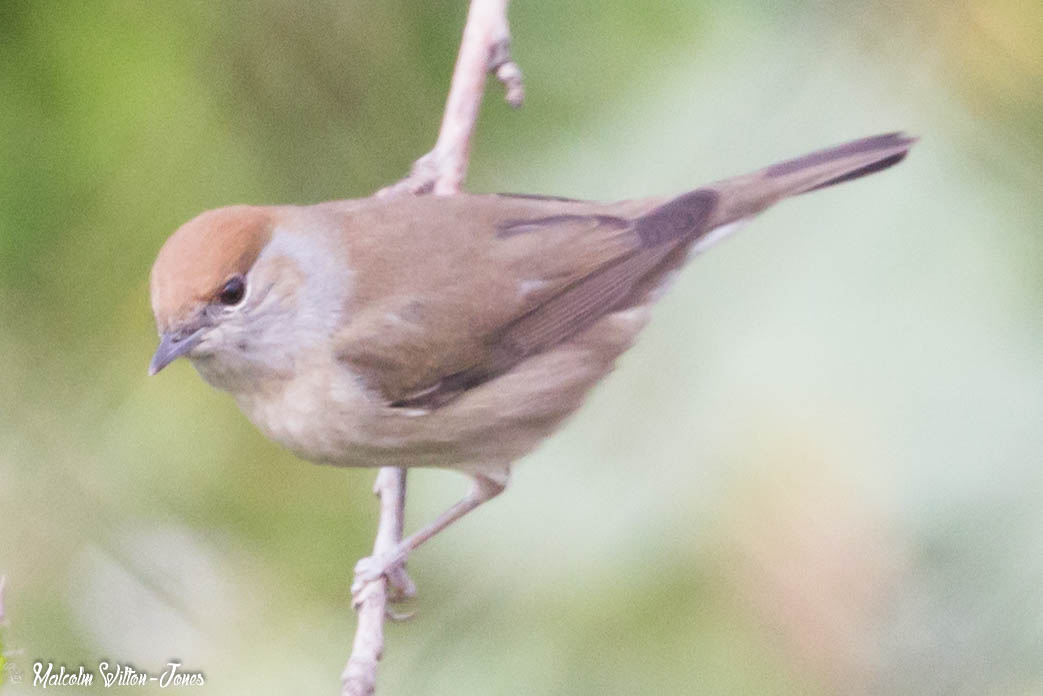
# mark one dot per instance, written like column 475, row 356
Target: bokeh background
column 819, row 471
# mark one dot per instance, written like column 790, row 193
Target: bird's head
column 239, row 291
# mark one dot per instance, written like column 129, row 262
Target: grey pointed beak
column 172, row 345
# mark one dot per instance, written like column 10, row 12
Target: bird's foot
column 392, row 566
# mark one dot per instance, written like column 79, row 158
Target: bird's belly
column 315, row 417
column 326, row 415
column 338, row 422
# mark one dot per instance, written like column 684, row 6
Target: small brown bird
column 453, row 331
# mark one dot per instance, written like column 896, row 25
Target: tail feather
column 868, row 169
column 838, row 164
column 748, row 195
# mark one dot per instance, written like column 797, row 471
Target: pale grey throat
column 296, row 296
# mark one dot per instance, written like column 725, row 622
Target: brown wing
column 459, row 289
column 489, row 281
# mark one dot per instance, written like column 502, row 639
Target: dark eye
column 233, row 291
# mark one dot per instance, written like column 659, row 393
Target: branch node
column 485, row 48
column 507, row 72
column 399, row 617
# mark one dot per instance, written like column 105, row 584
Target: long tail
column 748, row 195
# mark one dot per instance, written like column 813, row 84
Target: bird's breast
column 316, row 413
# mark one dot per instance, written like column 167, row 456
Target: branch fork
column 485, row 48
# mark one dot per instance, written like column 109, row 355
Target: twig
column 360, row 674
column 3, row 586
column 485, row 48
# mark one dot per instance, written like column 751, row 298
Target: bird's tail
column 747, row 195
column 841, row 163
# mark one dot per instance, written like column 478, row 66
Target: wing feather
column 589, row 259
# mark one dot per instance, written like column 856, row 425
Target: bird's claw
column 391, row 566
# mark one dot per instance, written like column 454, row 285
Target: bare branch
column 360, row 674
column 485, row 48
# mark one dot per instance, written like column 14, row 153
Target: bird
column 451, row 331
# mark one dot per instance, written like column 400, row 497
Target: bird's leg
column 391, row 564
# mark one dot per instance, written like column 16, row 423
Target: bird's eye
column 233, row 291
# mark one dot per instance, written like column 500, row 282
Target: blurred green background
column 817, row 473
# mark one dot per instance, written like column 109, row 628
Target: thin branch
column 485, row 48
column 3, row 586
column 360, row 674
